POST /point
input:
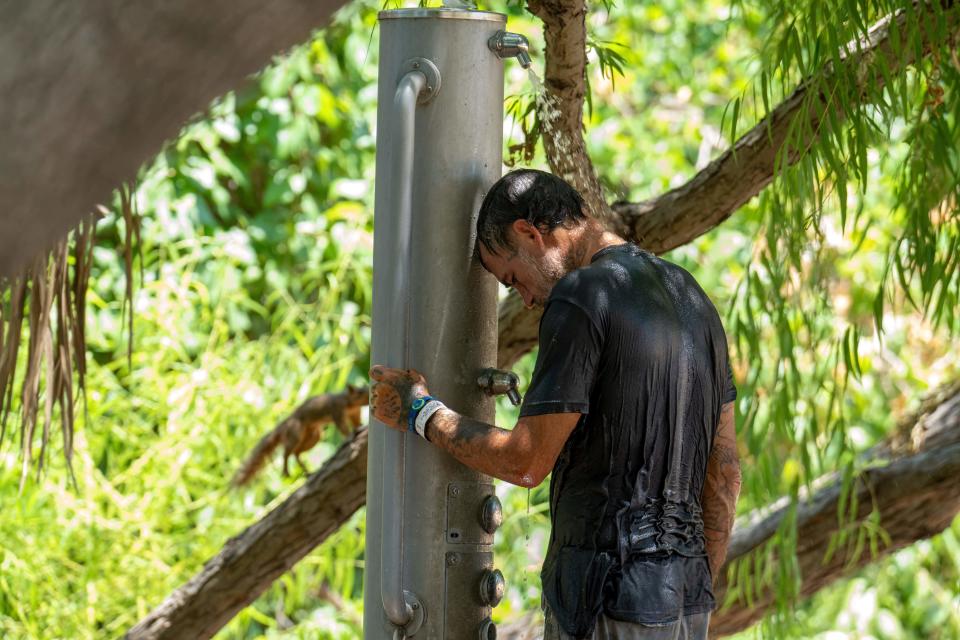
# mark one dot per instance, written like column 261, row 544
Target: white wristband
column 421, row 424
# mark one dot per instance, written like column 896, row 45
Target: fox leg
column 303, row 467
column 342, row 422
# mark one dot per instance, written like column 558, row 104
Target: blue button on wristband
column 415, row 409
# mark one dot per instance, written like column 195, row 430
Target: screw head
column 454, row 491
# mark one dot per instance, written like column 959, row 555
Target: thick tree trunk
column 917, row 494
column 251, row 561
column 712, row 195
column 92, row 90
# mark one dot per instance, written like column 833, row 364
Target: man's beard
column 548, row 270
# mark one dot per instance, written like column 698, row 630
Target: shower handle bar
column 395, row 601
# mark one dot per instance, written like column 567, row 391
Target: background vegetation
column 254, row 293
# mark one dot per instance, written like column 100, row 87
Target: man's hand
column 392, row 393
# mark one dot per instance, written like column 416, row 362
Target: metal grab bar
column 398, row 611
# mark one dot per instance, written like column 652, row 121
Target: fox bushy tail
column 259, row 455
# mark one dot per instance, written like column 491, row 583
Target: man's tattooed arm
column 720, row 490
column 521, row 456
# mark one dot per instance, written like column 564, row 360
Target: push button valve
column 491, row 514
column 492, row 587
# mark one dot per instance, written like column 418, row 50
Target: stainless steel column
column 449, row 329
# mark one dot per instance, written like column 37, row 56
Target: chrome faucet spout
column 524, row 59
column 511, row 45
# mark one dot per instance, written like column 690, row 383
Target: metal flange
column 419, row 614
column 429, row 71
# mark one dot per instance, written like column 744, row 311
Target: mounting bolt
column 453, row 559
column 430, row 74
column 416, row 620
column 454, row 491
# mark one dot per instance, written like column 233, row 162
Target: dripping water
column 526, row 529
column 548, row 109
column 534, row 80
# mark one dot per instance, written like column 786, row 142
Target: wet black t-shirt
column 633, row 343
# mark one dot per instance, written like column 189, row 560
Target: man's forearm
column 523, row 456
column 720, row 491
column 483, row 447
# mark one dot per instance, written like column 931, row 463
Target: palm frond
column 43, row 345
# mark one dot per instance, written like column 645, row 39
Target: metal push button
column 492, row 587
column 491, row 514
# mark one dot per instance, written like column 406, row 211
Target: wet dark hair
column 540, row 198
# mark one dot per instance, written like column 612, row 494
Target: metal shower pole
column 430, row 520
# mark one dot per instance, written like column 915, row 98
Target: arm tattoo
column 480, row 446
column 483, row 447
column 720, row 490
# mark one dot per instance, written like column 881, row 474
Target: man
column 630, row 406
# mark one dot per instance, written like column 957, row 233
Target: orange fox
column 301, row 430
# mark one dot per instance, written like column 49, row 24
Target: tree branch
column 519, row 328
column 251, row 561
column 716, row 192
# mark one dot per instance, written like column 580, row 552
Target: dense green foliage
column 255, row 293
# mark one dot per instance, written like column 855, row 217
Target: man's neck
column 594, row 239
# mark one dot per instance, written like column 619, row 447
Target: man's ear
column 526, row 233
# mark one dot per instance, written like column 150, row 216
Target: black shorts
column 689, row 627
